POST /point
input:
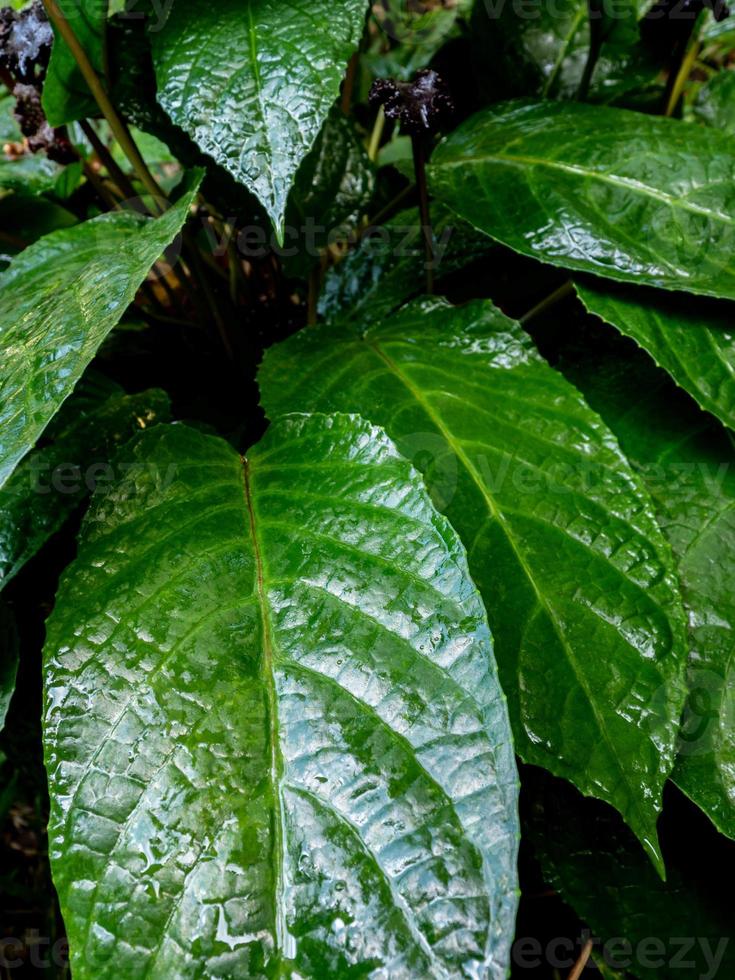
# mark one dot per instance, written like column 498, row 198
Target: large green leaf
column 58, row 301
column 51, row 482
column 576, row 577
column 584, row 187
column 714, row 104
column 688, row 464
column 66, row 95
column 691, row 339
column 275, row 738
column 252, row 82
column 680, row 929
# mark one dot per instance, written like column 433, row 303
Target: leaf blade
column 533, row 487
column 582, row 180
column 375, row 706
column 261, row 117
column 60, row 298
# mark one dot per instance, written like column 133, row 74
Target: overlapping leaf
column 252, row 82
column 562, row 540
column 50, row 482
column 691, row 339
column 680, row 929
column 66, row 95
column 688, row 466
column 58, row 301
column 545, row 54
column 584, row 187
column 275, row 738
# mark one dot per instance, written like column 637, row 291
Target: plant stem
column 118, row 127
column 376, row 135
column 106, row 159
column 564, row 290
column 687, row 56
column 348, row 85
column 419, row 146
column 595, row 13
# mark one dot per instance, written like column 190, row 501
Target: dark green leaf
column 66, row 95
column 410, row 34
column 252, row 82
column 8, row 661
column 58, row 301
column 691, row 339
column 545, row 54
column 275, row 738
column 680, row 929
column 388, row 267
column 586, row 188
column 688, row 465
column 577, row 579
column 51, row 482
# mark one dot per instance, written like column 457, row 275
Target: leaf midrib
column 614, row 180
column 540, row 598
column 283, row 939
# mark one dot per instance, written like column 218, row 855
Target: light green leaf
column 252, row 82
column 275, row 738
column 691, row 339
column 58, row 301
column 688, row 465
column 66, row 96
column 577, row 578
column 51, row 482
column 584, row 187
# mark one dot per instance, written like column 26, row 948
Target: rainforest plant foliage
column 367, row 396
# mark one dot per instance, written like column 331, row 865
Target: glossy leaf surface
column 51, row 482
column 274, row 733
column 66, row 95
column 692, row 340
column 576, row 577
column 58, row 301
column 252, row 82
column 583, row 187
column 688, row 465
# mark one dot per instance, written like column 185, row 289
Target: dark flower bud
column 421, row 106
column 25, row 42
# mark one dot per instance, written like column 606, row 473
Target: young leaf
column 688, row 466
column 252, row 82
column 584, row 187
column 66, row 96
column 58, row 301
column 562, row 541
column 692, row 340
column 275, row 738
column 8, row 661
column 51, row 482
